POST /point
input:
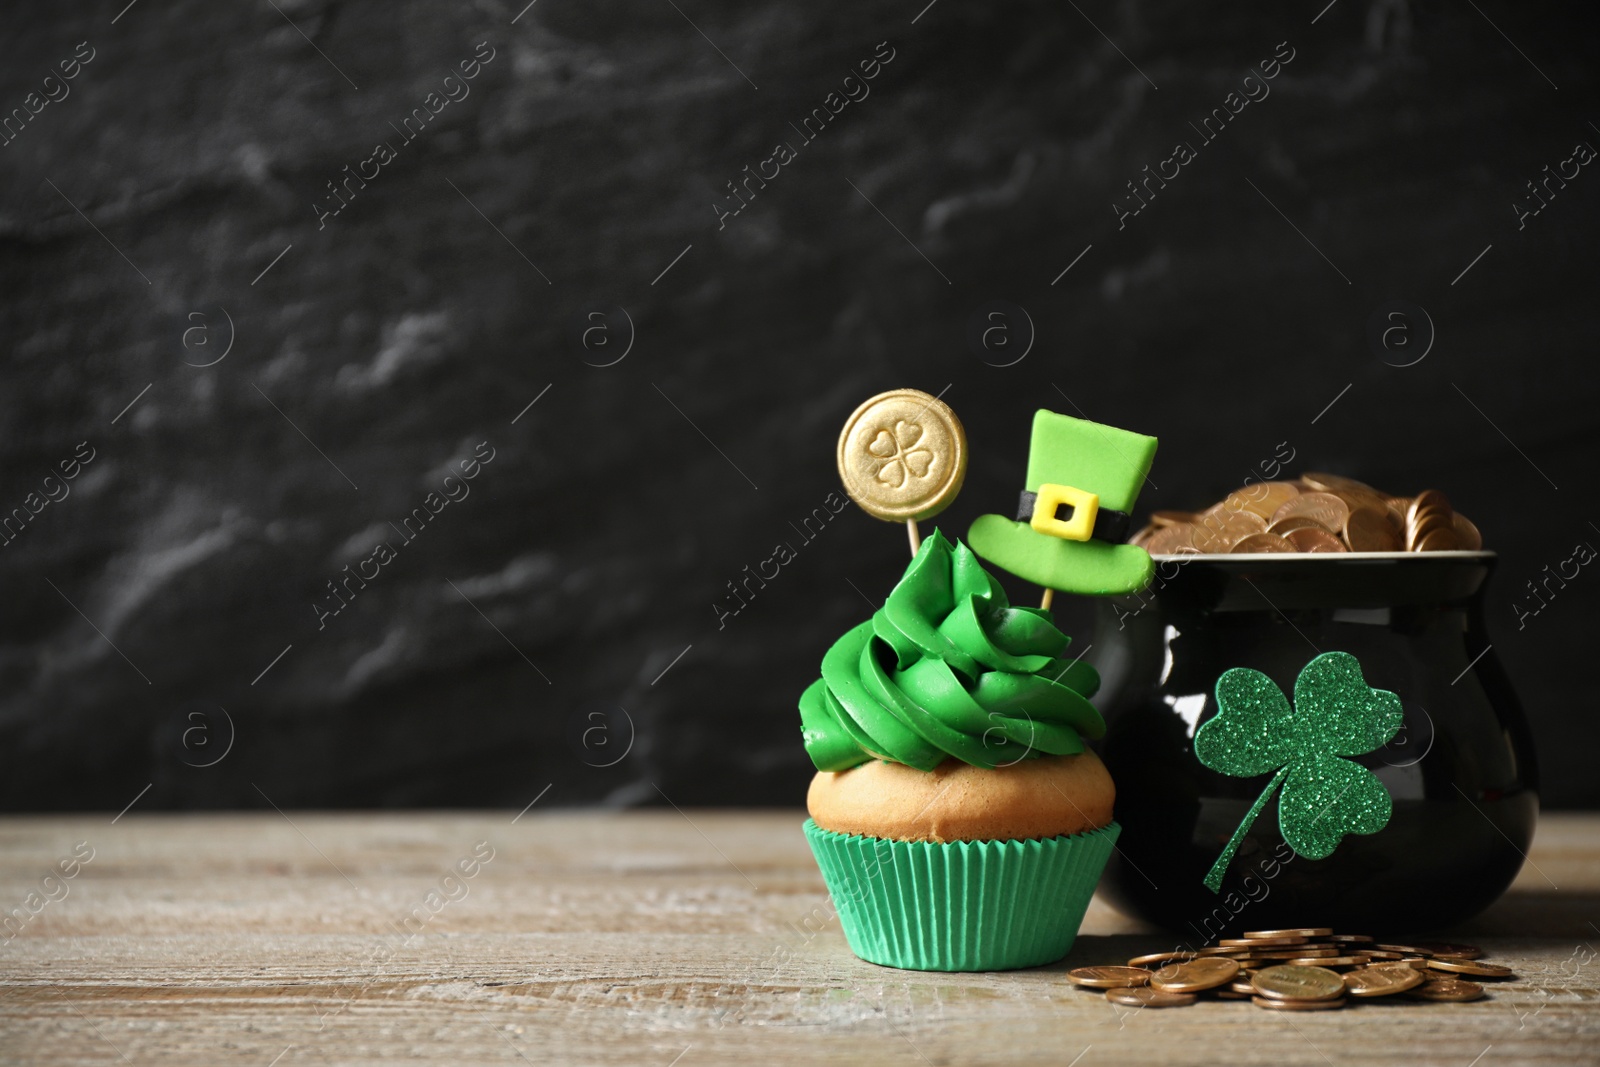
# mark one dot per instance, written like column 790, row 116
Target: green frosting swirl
column 947, row 667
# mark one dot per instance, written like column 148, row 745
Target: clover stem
column 1213, row 878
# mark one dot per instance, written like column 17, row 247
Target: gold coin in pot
column 1466, row 533
column 1284, row 527
column 1325, row 508
column 1263, row 498
column 1335, row 483
column 1369, row 530
column 1314, row 539
column 1261, row 542
column 1219, row 529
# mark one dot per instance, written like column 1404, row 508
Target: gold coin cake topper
column 902, row 457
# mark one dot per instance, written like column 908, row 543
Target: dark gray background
column 1224, row 318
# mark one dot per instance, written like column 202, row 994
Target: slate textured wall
column 270, row 376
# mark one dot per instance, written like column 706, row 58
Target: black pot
column 1460, row 771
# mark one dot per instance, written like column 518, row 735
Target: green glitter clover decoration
column 1335, row 714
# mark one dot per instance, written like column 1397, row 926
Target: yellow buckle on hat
column 1085, row 507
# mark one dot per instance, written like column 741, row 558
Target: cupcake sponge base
column 961, row 905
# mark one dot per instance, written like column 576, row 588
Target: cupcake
column 958, row 819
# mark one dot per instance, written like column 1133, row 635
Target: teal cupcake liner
column 965, row 905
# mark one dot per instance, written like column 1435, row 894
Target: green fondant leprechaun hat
column 1083, row 479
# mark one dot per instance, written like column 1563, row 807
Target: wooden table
column 654, row 938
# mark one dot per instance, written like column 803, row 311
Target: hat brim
column 1088, row 568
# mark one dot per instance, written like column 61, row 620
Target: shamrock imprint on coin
column 902, row 458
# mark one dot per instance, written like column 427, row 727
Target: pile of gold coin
column 1315, row 513
column 1306, row 969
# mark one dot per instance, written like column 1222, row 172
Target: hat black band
column 1109, row 525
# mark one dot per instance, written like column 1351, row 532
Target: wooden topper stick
column 915, row 536
column 1045, row 601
